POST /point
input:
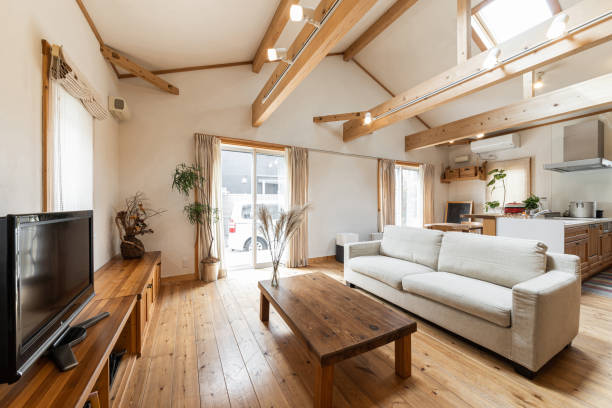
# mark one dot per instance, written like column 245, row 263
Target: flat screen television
column 46, row 279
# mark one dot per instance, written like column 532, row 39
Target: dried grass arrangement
column 278, row 233
column 131, row 222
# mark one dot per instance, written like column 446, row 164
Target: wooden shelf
column 465, row 174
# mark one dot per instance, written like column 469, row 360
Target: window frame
column 417, row 168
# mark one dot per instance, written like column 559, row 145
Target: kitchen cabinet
column 606, row 247
column 580, row 249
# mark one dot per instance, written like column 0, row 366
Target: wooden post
column 464, row 31
column 46, row 61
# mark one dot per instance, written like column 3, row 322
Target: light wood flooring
column 207, row 348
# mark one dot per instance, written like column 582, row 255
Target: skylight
column 500, row 20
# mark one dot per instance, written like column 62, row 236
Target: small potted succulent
column 131, row 221
column 188, row 178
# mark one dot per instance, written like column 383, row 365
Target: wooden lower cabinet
column 592, row 245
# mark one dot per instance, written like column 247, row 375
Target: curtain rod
column 275, row 146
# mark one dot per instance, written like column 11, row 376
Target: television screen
column 46, row 279
column 53, row 262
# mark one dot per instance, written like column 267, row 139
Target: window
column 499, row 20
column 408, row 197
column 518, row 180
column 70, row 153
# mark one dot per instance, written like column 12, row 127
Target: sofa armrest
column 563, row 263
column 366, row 248
column 545, row 317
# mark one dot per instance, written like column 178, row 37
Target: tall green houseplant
column 187, row 179
column 498, row 178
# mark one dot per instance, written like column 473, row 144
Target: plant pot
column 132, row 247
column 209, row 271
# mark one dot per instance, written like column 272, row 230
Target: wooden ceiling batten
column 337, row 117
column 193, row 68
column 115, row 57
column 274, row 31
column 460, row 80
column 285, row 79
column 588, row 97
column 393, row 13
column 95, row 31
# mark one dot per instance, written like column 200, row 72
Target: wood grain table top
column 334, row 321
column 121, row 277
column 43, row 385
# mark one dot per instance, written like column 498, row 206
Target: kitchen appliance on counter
column 583, row 148
column 583, row 209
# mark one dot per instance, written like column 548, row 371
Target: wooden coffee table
column 335, row 323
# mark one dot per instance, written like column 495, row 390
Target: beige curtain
column 66, row 74
column 386, row 193
column 297, row 171
column 427, row 172
column 208, row 159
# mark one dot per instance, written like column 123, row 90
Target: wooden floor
column 207, row 348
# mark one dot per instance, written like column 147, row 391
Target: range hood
column 583, row 148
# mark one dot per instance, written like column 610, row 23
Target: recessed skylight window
column 499, row 20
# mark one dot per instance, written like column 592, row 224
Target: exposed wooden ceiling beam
column 116, row 58
column 591, row 96
column 392, row 14
column 338, row 117
column 528, row 81
column 453, row 84
column 274, row 31
column 464, row 31
column 286, row 78
column 193, row 68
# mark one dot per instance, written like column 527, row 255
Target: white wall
column 160, row 135
column 24, row 25
column 545, row 145
column 342, row 190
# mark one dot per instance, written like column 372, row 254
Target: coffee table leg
column 403, row 357
column 264, row 308
column 323, row 386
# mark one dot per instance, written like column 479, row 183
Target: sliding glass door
column 251, row 178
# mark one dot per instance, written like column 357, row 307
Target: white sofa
column 505, row 294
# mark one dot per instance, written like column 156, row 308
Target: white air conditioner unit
column 118, row 108
column 493, row 144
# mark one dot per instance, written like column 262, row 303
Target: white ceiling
column 161, row 34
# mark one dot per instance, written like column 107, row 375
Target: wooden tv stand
column 127, row 289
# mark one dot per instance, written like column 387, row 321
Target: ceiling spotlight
column 539, row 83
column 367, row 119
column 298, row 13
column 276, row 54
column 558, row 26
column 479, row 135
column 492, row 58
column 451, row 141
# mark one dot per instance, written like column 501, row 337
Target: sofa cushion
column 500, row 260
column 385, row 269
column 417, row 245
column 482, row 299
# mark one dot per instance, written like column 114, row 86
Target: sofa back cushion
column 500, row 260
column 416, row 245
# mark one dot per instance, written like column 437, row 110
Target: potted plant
column 498, row 177
column 188, row 178
column 278, row 233
column 131, row 222
column 532, row 203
